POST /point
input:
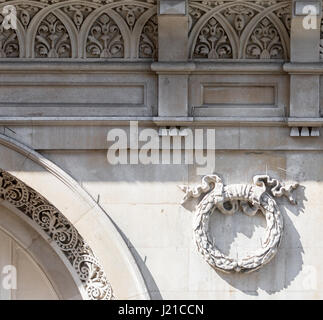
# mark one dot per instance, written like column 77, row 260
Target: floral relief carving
column 248, row 198
column 239, row 16
column 265, row 42
column 285, row 15
column 52, row 39
column 58, row 229
column 25, row 14
column 77, row 14
column 148, row 46
column 130, row 14
column 9, row 45
column 105, row 39
column 194, row 15
column 269, row 39
column 213, row 42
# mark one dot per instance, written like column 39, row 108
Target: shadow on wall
column 279, row 273
column 154, row 292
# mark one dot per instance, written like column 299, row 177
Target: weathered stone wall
column 249, row 70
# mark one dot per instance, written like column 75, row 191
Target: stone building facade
column 110, row 109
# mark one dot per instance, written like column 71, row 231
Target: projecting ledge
column 304, row 68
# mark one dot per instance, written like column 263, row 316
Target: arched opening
column 60, row 233
column 22, row 276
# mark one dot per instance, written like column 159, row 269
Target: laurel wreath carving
column 250, row 198
column 58, row 229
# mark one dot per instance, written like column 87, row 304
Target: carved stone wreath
column 250, row 198
column 61, row 231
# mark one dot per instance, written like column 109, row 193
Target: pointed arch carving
column 239, row 21
column 52, row 39
column 213, row 41
column 60, row 29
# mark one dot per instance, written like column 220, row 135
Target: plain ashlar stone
column 112, row 255
column 172, row 38
column 173, row 95
column 167, row 267
column 305, row 97
column 169, row 222
column 177, row 7
column 123, row 183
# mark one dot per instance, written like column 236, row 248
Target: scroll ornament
column 250, row 198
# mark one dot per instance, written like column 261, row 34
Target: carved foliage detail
column 148, row 46
column 248, row 198
column 213, row 42
column 25, row 14
column 77, row 13
column 239, row 16
column 265, row 42
column 9, row 45
column 105, row 39
column 285, row 15
column 59, row 230
column 130, row 14
column 52, row 39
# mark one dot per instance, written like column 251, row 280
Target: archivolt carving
column 250, row 198
column 59, row 230
column 246, row 24
column 69, row 36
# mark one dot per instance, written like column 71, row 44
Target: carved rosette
column 213, row 42
column 52, row 39
column 105, row 39
column 148, row 46
column 46, row 217
column 250, row 198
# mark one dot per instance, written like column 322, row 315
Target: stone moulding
column 58, row 229
column 250, row 198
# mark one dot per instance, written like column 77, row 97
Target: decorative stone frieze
column 86, row 29
column 248, row 29
column 58, row 229
column 250, row 198
column 239, row 29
